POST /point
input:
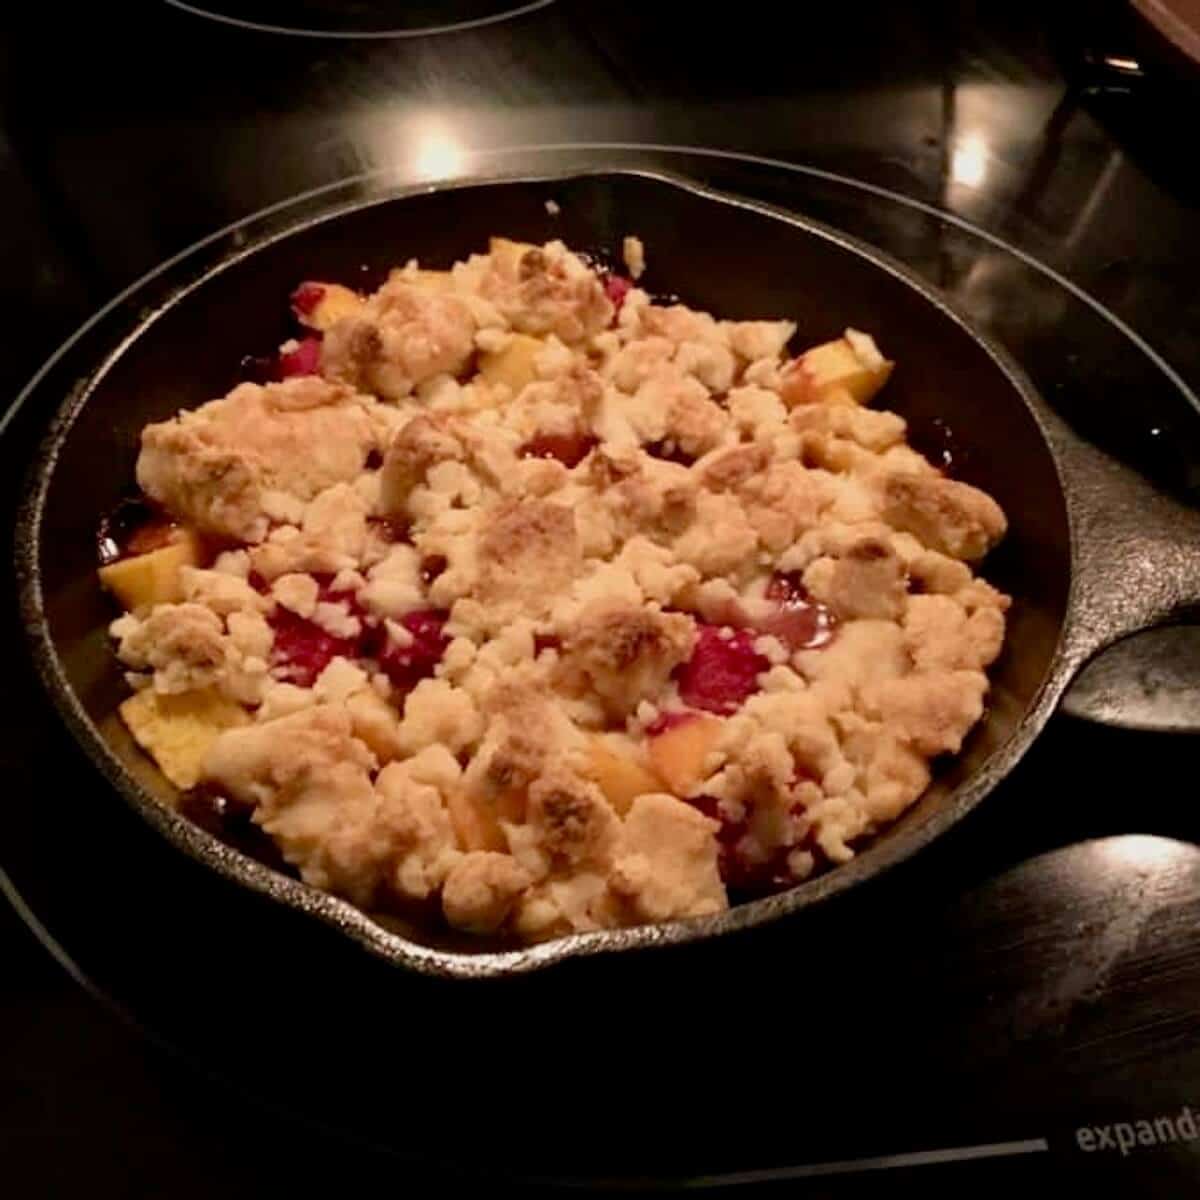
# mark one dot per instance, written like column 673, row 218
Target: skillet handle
column 1136, row 566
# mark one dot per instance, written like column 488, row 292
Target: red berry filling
column 432, row 565
column 304, row 360
column 135, row 526
column 722, row 672
column 306, row 298
column 799, row 621
column 154, row 535
column 407, row 665
column 570, row 449
column 741, row 862
column 616, row 288
column 392, row 529
column 303, row 649
column 743, row 871
column 669, row 451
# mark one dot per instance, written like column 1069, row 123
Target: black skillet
column 1092, row 555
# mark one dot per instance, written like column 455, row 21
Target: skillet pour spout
column 1092, row 553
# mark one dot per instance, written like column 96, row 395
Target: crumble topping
column 217, row 467
column 527, row 599
column 403, row 336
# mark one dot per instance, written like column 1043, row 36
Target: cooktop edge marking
column 882, row 1162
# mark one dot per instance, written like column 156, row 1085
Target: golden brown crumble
column 556, row 613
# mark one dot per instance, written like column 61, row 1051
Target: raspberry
column 406, row 666
column 303, row 649
column 304, row 360
column 722, row 672
column 616, row 288
column 306, row 298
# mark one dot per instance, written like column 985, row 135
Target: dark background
column 1036, row 972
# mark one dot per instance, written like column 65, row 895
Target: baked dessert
column 520, row 601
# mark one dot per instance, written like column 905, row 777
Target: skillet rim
column 359, row 926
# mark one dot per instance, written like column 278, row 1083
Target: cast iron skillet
column 1092, row 553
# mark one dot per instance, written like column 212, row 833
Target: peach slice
column 476, row 820
column 321, row 305
column 849, row 370
column 177, row 731
column 619, row 774
column 678, row 753
column 474, row 826
column 514, row 365
column 375, row 722
column 149, row 579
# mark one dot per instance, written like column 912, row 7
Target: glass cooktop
column 1017, row 1004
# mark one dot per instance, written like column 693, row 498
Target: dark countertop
column 1035, row 974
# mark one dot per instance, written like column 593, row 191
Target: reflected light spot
column 968, row 164
column 437, row 154
column 1127, row 66
column 1145, row 852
